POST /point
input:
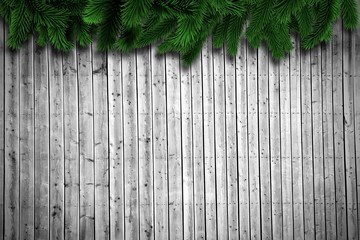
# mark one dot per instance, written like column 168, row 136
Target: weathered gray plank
column 328, row 140
column 174, row 145
column 296, row 153
column 264, row 143
column 348, row 72
column 26, row 136
column 242, row 138
column 101, row 144
column 357, row 116
column 86, row 144
column 130, row 147
column 317, row 140
column 274, row 108
column 11, row 203
column 41, row 144
column 198, row 148
column 220, row 143
column 2, row 125
column 209, row 141
column 161, row 227
column 145, row 144
column 71, row 146
column 231, row 148
column 187, row 153
column 306, row 137
column 116, row 146
column 157, row 151
column 56, row 142
column 253, row 144
column 337, row 56
column 285, row 155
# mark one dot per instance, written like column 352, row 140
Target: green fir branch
column 178, row 25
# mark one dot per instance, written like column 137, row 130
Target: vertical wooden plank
column 41, row 144
column 275, row 151
column 71, row 146
column 231, row 147
column 12, row 84
column 145, row 142
column 242, row 140
column 349, row 137
column 130, row 147
column 296, row 153
column 26, row 135
column 285, row 143
column 317, row 139
column 101, row 144
column 174, row 145
column 337, row 56
column 253, row 144
column 220, row 142
column 328, row 141
column 209, row 141
column 306, row 137
column 2, row 125
column 198, row 148
column 56, row 203
column 116, row 146
column 161, row 201
column 264, row 147
column 187, row 153
column 86, row 143
column 357, row 117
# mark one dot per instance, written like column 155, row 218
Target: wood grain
column 56, row 142
column 198, row 148
column 86, row 144
column 41, row 144
column 296, row 143
column 145, row 144
column 101, row 144
column 12, row 137
column 209, row 142
column 187, row 153
column 242, row 138
column 340, row 178
column 253, row 143
column 71, row 146
column 161, row 197
column 26, row 147
column 231, row 147
column 2, row 126
column 110, row 145
column 116, row 146
column 173, row 110
column 131, row 154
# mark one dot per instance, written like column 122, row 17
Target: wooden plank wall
column 135, row 146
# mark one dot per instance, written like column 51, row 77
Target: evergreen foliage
column 178, row 25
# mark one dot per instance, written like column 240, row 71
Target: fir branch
column 327, row 14
column 234, row 32
column 155, row 29
column 349, row 13
column 110, row 27
column 59, row 39
column 180, row 25
column 96, row 10
column 134, row 11
column 220, row 31
column 20, row 26
column 304, row 19
column 189, row 56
